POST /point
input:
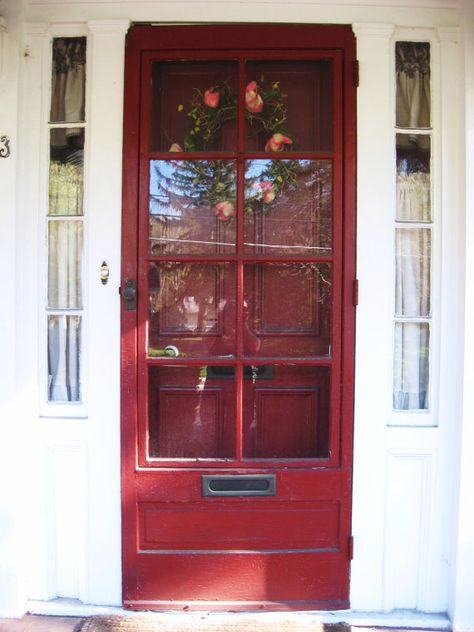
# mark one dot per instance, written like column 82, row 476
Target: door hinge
column 356, row 73
column 350, row 547
column 355, row 293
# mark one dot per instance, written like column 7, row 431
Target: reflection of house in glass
column 298, row 220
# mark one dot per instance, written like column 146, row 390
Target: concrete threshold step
column 397, row 619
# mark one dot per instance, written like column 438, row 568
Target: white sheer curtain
column 68, row 87
column 64, row 292
column 65, row 225
column 64, row 342
column 412, row 294
column 413, row 232
column 413, row 283
column 414, row 197
column 413, row 84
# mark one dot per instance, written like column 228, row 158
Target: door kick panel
column 239, row 485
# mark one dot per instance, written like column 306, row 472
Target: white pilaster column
column 375, row 185
column 462, row 595
column 103, row 211
column 13, row 471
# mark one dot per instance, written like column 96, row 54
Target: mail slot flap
column 239, row 485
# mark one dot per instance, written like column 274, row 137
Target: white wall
column 461, row 604
column 75, row 546
column 12, row 467
column 403, row 476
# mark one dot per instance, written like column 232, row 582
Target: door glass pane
column 65, row 264
column 190, row 415
column 68, row 80
column 192, row 207
column 413, row 84
column 286, row 413
column 287, row 309
column 413, row 178
column 411, row 366
column 288, row 207
column 413, row 272
column 289, row 106
column 64, row 344
column 192, row 308
column 193, row 106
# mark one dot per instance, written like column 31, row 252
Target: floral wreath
column 265, row 110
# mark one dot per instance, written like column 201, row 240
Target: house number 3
column 4, row 147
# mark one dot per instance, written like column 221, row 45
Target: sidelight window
column 414, row 220
column 65, row 220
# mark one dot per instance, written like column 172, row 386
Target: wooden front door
column 238, row 316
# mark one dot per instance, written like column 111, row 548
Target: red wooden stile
column 290, row 550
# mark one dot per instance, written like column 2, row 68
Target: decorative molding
column 36, row 28
column 393, row 4
column 68, row 29
column 367, row 29
column 109, row 27
column 66, row 482
column 412, row 490
column 448, row 34
column 3, row 46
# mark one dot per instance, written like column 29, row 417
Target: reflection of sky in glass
column 176, row 186
column 296, row 219
column 255, row 168
column 166, row 169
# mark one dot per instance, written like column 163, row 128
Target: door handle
column 129, row 295
column 168, row 352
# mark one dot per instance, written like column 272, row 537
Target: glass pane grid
column 413, row 228
column 65, row 220
column 239, row 255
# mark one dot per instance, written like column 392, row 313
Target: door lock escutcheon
column 129, row 295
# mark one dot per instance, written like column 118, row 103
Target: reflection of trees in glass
column 298, row 219
column 183, row 199
column 187, row 183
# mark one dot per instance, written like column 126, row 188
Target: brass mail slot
column 239, row 485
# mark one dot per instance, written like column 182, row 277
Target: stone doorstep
column 39, row 623
column 45, row 623
column 395, row 620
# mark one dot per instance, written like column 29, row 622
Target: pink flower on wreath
column 211, row 98
column 253, row 101
column 268, row 191
column 175, row 148
column 224, row 210
column 277, row 142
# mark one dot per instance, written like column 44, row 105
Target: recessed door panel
column 189, row 418
column 237, row 361
column 231, row 526
column 287, row 309
column 288, row 416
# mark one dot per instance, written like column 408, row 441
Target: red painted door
column 238, row 316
